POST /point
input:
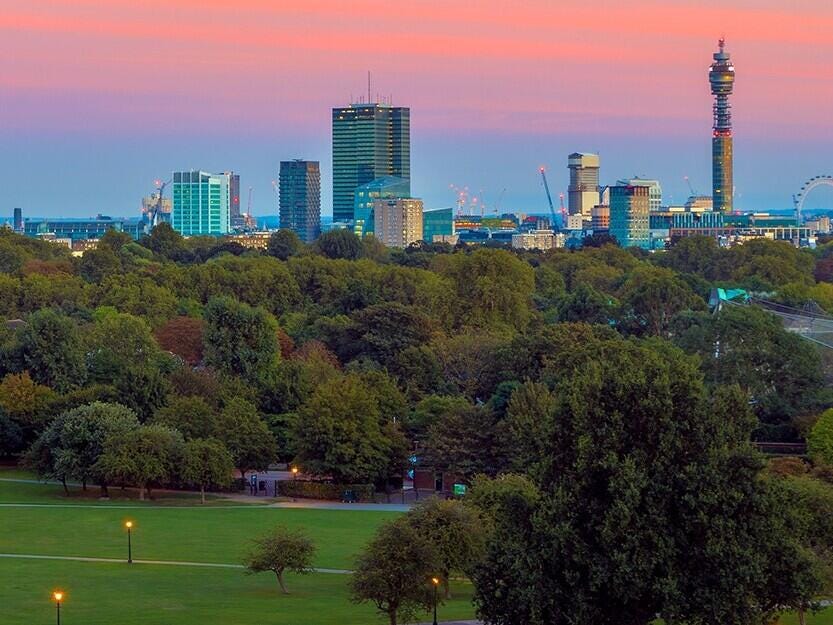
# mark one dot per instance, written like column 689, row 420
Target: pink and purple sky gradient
column 99, row 97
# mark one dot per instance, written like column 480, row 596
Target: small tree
column 455, row 530
column 206, row 462
column 394, row 572
column 820, row 440
column 279, row 550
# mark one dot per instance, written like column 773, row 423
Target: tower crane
column 549, row 197
column 690, row 187
column 563, row 208
column 499, row 200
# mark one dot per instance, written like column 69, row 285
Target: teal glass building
column 439, row 221
column 629, row 215
column 370, row 141
column 385, row 188
column 201, row 203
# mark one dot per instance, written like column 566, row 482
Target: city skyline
column 482, row 116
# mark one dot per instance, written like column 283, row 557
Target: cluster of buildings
column 372, row 195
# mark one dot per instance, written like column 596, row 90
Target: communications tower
column 722, row 80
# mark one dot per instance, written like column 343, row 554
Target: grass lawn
column 170, row 595
column 109, row 594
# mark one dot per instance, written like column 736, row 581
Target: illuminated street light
column 436, row 582
column 58, row 596
column 129, row 526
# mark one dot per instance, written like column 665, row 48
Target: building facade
column 386, row 187
column 300, row 198
column 398, row 221
column 654, row 190
column 201, row 203
column 369, row 141
column 583, row 192
column 237, row 219
column 722, row 80
column 81, row 229
column 17, row 222
column 438, row 225
column 537, row 240
column 600, row 218
column 629, row 216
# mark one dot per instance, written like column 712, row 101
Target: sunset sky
column 100, row 97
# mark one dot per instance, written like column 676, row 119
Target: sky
column 98, row 98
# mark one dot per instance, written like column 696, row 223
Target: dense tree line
column 601, row 413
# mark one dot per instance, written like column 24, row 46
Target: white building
column 397, row 221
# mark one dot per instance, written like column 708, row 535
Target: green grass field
column 173, row 528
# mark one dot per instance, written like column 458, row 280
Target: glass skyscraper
column 629, row 215
column 201, row 203
column 300, row 198
column 369, row 141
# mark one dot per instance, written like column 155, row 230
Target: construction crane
column 499, row 200
column 249, row 206
column 690, row 186
column 549, row 197
column 563, row 208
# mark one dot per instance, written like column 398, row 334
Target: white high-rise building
column 397, row 221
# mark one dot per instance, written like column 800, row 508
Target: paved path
column 219, row 565
column 307, row 504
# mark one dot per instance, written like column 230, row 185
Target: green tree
column 394, row 572
column 190, row 416
column 820, row 440
column 52, row 350
column 650, row 506
column 283, row 244
column 339, row 432
column 651, row 298
column 455, row 530
column 205, row 463
column 76, row 442
column 240, row 340
column 247, row 437
column 528, row 424
column 341, row 243
column 142, row 457
column 99, row 263
column 165, row 241
column 465, row 441
column 135, row 345
column 279, row 550
column 748, row 346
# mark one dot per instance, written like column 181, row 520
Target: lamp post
column 129, row 526
column 58, row 596
column 436, row 582
column 294, row 477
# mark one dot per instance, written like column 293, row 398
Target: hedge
column 305, row 489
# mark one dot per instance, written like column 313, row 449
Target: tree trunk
column 447, row 588
column 141, row 492
column 279, row 575
column 202, row 493
column 84, row 484
column 802, row 616
column 64, row 482
column 392, row 616
column 104, row 491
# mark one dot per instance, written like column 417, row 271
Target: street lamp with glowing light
column 58, row 596
column 436, row 583
column 129, row 526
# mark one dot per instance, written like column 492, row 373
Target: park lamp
column 128, row 524
column 58, row 596
column 435, row 581
column 294, row 470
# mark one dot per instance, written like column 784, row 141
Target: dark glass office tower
column 300, row 198
column 369, row 141
column 722, row 80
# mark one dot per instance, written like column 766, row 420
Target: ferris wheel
column 812, row 183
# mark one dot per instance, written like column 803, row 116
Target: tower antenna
column 368, row 86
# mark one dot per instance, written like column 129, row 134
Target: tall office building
column 398, row 221
column 369, row 141
column 17, row 223
column 201, row 203
column 583, row 192
column 629, row 215
column 300, row 198
column 722, row 80
column 654, row 190
column 236, row 216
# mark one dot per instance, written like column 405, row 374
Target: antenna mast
column 368, row 86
